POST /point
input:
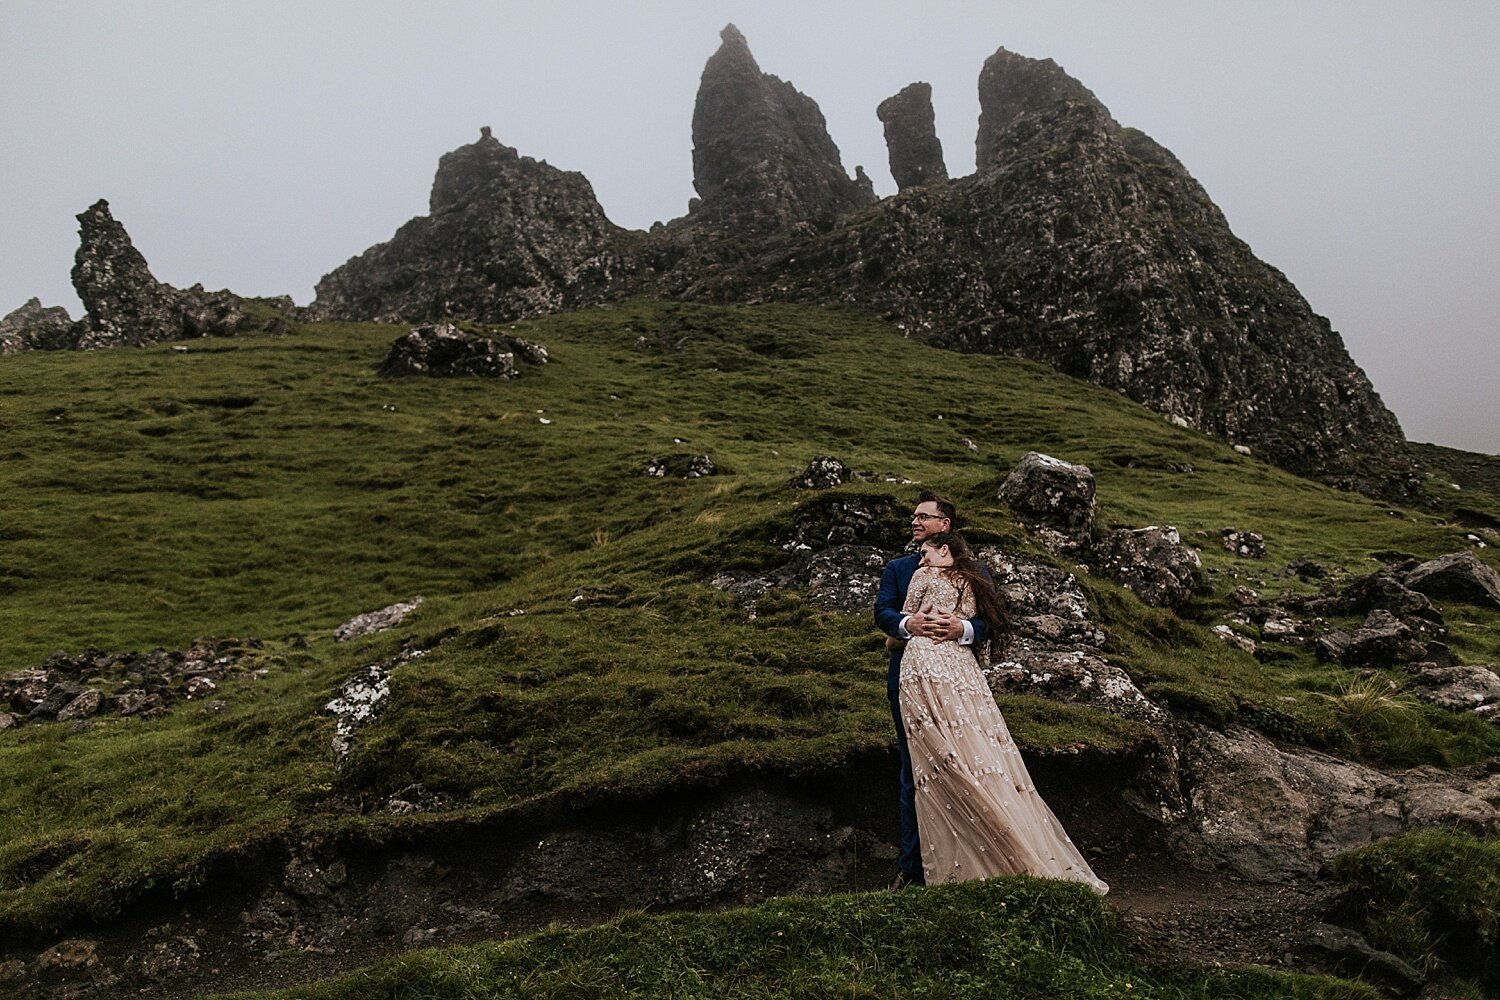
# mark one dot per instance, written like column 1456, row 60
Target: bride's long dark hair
column 987, row 600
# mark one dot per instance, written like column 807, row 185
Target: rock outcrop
column 1049, row 493
column 762, row 156
column 443, row 350
column 1078, row 243
column 1089, row 247
column 507, row 236
column 35, row 327
column 127, row 307
column 1457, row 576
column 911, row 137
column 1011, row 86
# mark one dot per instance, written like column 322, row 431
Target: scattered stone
column 67, row 958
column 1247, row 544
column 1235, row 639
column 1307, row 569
column 823, row 472
column 1281, row 628
column 1348, row 953
column 1458, row 576
column 8, row 721
column 198, row 687
column 681, row 467
column 1048, row 492
column 1383, row 591
column 838, row 578
column 911, row 138
column 1331, row 645
column 372, row 622
column 1151, row 562
column 1245, row 597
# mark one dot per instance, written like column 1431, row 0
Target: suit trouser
column 910, row 858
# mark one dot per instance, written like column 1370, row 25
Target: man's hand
column 921, row 622
column 945, row 626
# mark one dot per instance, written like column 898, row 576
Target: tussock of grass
column 1017, row 937
column 1432, row 897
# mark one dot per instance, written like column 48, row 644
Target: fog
column 256, row 146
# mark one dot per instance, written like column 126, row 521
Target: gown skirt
column 978, row 813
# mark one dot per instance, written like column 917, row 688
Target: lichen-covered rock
column 680, row 467
column 838, row 578
column 126, row 306
column 1457, row 576
column 1012, row 85
column 372, row 622
column 1048, row 492
column 361, row 700
column 507, row 236
column 911, row 137
column 441, row 349
column 1379, row 591
column 1151, row 562
column 35, row 327
column 762, row 156
column 1382, row 641
column 1247, row 544
column 823, row 472
column 1472, row 688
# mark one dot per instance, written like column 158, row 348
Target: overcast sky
column 257, row 145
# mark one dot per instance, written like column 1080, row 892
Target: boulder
column 838, row 578
column 762, row 156
column 1151, row 562
column 1049, row 493
column 443, row 350
column 1382, row 641
column 1384, row 591
column 911, row 137
column 1347, row 953
column 35, row 327
column 823, row 472
column 1473, row 688
column 1267, row 813
column 1457, row 576
column 1074, row 676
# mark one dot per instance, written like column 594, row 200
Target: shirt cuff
column 901, row 627
column 968, row 639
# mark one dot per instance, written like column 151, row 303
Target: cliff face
column 1078, row 243
column 508, row 236
column 1089, row 247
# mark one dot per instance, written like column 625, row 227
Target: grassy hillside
column 275, row 486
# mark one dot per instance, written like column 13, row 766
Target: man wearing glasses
column 934, row 513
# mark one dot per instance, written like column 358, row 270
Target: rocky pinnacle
column 911, row 137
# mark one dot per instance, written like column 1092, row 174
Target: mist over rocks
column 1078, row 243
column 762, row 155
column 508, row 237
column 911, row 137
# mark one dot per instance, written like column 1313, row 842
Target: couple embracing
column 968, row 807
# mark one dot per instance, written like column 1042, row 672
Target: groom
column 933, row 514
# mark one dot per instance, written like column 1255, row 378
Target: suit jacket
column 895, row 581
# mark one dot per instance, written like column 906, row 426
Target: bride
column 978, row 813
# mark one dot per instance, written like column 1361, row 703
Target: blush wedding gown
column 978, row 813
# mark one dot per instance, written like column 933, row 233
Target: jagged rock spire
column 125, row 303
column 911, row 137
column 1012, row 85
column 762, row 155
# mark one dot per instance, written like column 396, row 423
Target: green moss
column 1016, row 937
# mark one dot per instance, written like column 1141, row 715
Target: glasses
column 928, row 517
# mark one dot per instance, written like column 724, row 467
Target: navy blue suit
column 895, row 581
